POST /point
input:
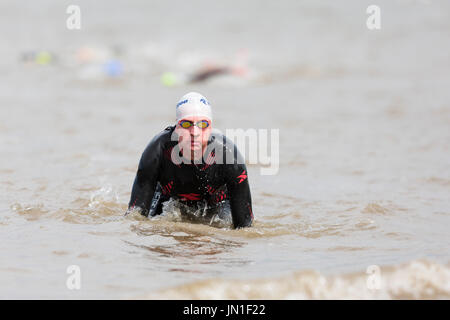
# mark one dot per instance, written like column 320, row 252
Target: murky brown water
column 364, row 177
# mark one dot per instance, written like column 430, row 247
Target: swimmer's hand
column 131, row 210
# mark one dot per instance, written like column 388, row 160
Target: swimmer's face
column 191, row 137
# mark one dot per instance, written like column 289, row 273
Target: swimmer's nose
column 195, row 131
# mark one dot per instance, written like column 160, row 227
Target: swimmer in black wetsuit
column 190, row 163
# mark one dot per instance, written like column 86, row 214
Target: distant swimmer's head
column 194, row 123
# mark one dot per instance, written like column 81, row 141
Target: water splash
column 176, row 211
column 419, row 279
column 106, row 194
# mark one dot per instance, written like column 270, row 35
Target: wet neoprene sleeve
column 239, row 195
column 146, row 177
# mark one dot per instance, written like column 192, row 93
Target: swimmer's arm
column 146, row 179
column 239, row 195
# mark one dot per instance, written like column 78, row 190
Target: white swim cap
column 193, row 104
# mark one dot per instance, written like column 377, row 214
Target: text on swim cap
column 181, row 102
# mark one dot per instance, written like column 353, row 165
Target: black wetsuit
column 212, row 181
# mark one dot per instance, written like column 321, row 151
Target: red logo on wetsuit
column 243, row 176
column 189, row 196
column 210, row 189
column 221, row 195
column 167, row 188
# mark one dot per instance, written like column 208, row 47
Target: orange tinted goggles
column 203, row 124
